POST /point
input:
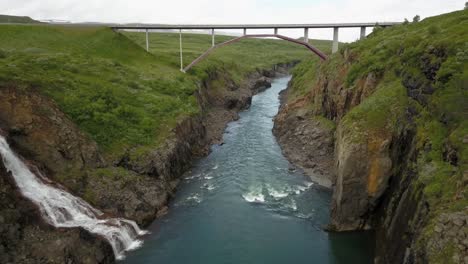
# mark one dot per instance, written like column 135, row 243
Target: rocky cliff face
column 26, row 238
column 41, row 132
column 399, row 157
column 306, row 141
column 365, row 161
column 330, row 96
column 132, row 186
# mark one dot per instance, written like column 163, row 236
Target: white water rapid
column 61, row 209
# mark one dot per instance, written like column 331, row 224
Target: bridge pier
column 335, row 40
column 276, row 31
column 180, row 45
column 245, row 31
column 363, row 32
column 147, row 41
column 212, row 37
column 306, row 35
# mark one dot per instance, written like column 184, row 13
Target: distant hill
column 17, row 19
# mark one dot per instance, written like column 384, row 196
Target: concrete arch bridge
column 275, row 27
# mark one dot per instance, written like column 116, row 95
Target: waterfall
column 61, row 209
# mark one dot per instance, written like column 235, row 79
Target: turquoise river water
column 243, row 204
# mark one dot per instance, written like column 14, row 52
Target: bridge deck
column 254, row 26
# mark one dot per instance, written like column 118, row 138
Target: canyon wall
column 399, row 133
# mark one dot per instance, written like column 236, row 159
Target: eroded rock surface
column 26, row 238
column 307, row 143
column 380, row 164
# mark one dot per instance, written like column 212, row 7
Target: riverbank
column 305, row 139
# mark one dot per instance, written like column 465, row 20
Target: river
column 245, row 204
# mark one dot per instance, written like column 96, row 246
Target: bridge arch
column 313, row 49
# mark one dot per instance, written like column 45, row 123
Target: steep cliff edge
column 399, row 102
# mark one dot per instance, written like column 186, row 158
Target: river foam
column 255, row 195
column 277, row 194
column 196, row 198
column 209, row 187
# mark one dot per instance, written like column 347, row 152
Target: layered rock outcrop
column 26, row 238
column 307, row 143
column 394, row 143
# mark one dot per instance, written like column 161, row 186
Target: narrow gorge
column 259, row 154
column 53, row 146
column 231, row 203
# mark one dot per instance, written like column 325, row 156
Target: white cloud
column 229, row 11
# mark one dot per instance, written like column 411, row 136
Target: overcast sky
column 233, row 11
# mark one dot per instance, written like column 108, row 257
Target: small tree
column 406, row 22
column 416, row 19
column 466, row 5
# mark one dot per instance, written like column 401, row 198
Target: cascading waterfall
column 61, row 209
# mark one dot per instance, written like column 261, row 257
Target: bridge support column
column 180, row 45
column 335, row 40
column 276, row 31
column 363, row 32
column 245, row 31
column 147, row 41
column 212, row 37
column 306, row 35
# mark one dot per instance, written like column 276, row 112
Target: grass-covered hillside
column 17, row 19
column 417, row 71
column 240, row 58
column 118, row 93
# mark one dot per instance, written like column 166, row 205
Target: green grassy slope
column 17, row 19
column 423, row 68
column 111, row 87
column 242, row 57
